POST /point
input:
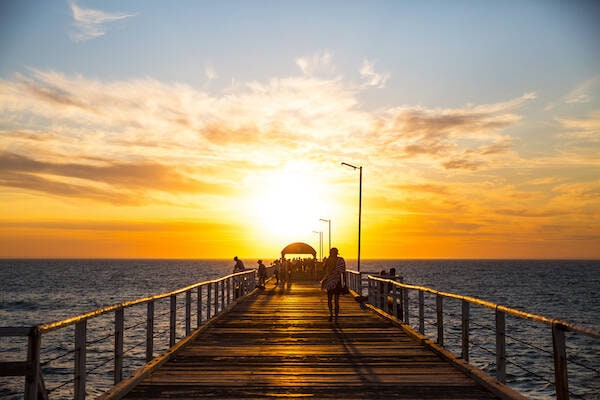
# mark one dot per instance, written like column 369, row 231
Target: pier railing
column 476, row 330
column 111, row 342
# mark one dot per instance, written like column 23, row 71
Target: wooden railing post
column 208, row 300
column 395, row 310
column 439, row 305
column 421, row 312
column 172, row 320
column 150, row 331
column 362, row 284
column 405, row 315
column 229, row 290
column 80, row 353
column 33, row 382
column 500, row 346
column 222, row 294
column 386, row 296
column 188, row 312
column 119, row 323
column 465, row 330
column 561, row 377
column 199, row 306
column 216, row 297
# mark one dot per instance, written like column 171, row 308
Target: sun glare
column 288, row 205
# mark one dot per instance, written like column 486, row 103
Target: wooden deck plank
column 280, row 343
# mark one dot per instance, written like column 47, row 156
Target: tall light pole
column 329, row 230
column 359, row 207
column 320, row 242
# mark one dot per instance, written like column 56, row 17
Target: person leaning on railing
column 238, row 281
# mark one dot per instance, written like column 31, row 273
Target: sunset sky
column 208, row 129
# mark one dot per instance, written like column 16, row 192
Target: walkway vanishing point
column 279, row 343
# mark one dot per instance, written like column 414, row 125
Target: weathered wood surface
column 281, row 344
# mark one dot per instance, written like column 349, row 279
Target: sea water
column 41, row 291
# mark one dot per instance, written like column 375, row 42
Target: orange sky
column 114, row 150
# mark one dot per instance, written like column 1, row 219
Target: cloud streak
column 319, row 63
column 464, row 138
column 90, row 23
column 372, row 78
column 114, row 182
column 584, row 92
column 586, row 128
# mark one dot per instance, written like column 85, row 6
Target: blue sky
column 470, row 117
column 437, row 52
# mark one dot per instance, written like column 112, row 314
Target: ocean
column 42, row 291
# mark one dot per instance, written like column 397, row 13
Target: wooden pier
column 279, row 343
column 225, row 338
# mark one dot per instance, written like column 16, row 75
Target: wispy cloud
column 115, row 182
column 585, row 128
column 461, row 138
column 210, row 73
column 372, row 78
column 319, row 63
column 584, row 92
column 90, row 23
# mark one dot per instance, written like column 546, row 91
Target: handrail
column 573, row 327
column 218, row 296
column 392, row 298
column 43, row 328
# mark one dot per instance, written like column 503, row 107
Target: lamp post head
column 350, row 165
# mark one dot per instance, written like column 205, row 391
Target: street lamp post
column 359, row 207
column 329, row 230
column 320, row 243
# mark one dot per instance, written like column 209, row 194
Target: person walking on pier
column 335, row 271
column 262, row 274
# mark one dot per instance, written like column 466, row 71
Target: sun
column 289, row 204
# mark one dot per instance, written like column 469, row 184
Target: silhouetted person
column 335, row 269
column 288, row 270
column 239, row 265
column 237, row 281
column 262, row 274
column 276, row 273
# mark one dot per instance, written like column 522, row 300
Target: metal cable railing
column 91, row 355
column 458, row 324
column 56, row 358
column 62, row 385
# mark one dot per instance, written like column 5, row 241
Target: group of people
column 333, row 282
column 262, row 270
